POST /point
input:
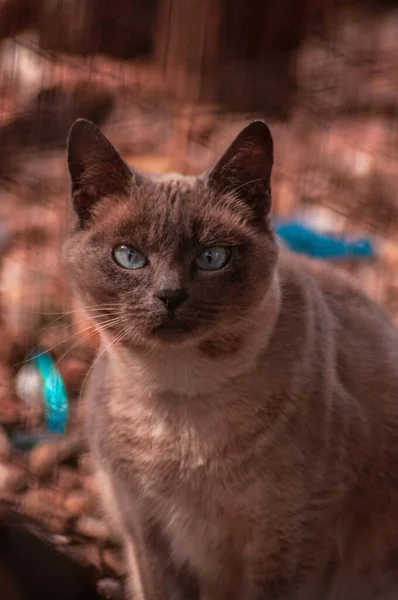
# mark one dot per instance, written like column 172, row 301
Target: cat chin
column 172, row 334
column 154, row 340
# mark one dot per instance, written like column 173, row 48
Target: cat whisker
column 76, row 322
column 76, row 310
column 113, row 342
column 97, row 329
column 94, row 326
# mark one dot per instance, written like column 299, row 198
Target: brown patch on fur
column 216, row 348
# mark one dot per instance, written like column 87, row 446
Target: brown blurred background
column 171, row 82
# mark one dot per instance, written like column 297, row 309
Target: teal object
column 303, row 239
column 54, row 393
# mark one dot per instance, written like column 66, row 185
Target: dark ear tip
column 85, row 123
column 80, row 128
column 259, row 129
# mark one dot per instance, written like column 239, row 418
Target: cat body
column 243, row 417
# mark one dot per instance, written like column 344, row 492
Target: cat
column 243, row 407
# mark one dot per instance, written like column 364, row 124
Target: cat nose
column 172, row 298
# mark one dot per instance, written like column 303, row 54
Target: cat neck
column 193, row 370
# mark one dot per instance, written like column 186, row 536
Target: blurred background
column 171, row 82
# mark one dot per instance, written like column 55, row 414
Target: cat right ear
column 96, row 169
column 245, row 168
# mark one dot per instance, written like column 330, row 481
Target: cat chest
column 178, row 482
column 212, row 509
column 199, row 519
column 155, row 450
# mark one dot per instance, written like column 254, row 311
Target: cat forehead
column 175, row 181
column 172, row 189
column 171, row 208
column 183, row 199
column 175, row 194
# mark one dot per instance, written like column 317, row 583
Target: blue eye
column 128, row 257
column 213, row 259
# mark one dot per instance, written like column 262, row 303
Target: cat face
column 171, row 259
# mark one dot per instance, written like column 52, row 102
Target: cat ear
column 96, row 169
column 245, row 167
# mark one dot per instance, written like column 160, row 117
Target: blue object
column 54, row 393
column 302, row 239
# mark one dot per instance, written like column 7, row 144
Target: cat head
column 167, row 259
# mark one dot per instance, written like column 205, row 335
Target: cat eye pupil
column 209, row 256
column 213, row 259
column 128, row 257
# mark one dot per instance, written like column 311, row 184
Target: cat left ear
column 245, row 168
column 96, row 169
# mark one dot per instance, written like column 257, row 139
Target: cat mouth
column 171, row 329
